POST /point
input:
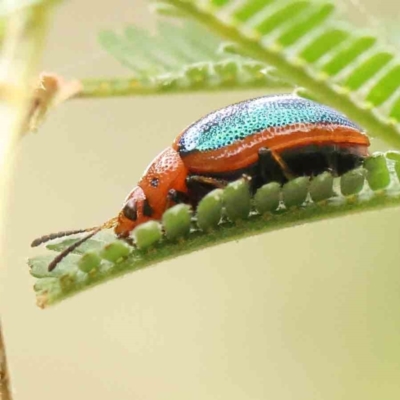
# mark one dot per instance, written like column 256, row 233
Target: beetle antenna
column 109, row 224
column 47, row 238
column 51, row 236
column 71, row 248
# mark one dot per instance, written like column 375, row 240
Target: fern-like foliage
column 170, row 49
column 311, row 45
column 220, row 217
column 179, row 58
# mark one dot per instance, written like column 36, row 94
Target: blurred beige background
column 300, row 314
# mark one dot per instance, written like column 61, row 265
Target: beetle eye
column 147, row 210
column 154, row 182
column 130, row 212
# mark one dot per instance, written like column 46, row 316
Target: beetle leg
column 216, row 183
column 177, row 197
column 128, row 240
column 199, row 186
column 332, row 160
column 272, row 164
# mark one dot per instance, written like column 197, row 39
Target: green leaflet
column 222, row 216
column 173, row 47
column 229, row 74
column 179, row 58
column 313, row 47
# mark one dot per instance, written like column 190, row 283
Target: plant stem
column 135, row 87
column 5, row 392
column 23, row 42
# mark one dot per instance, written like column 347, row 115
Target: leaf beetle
column 270, row 138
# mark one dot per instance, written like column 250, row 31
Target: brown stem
column 5, row 390
column 20, row 54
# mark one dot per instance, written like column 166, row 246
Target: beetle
column 270, row 138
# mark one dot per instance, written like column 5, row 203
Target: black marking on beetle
column 147, row 210
column 154, row 182
column 130, row 212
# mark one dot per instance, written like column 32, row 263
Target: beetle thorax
column 149, row 199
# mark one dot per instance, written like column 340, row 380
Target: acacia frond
column 171, row 48
column 230, row 74
column 178, row 59
column 313, row 47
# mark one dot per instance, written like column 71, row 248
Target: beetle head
column 149, row 199
column 135, row 211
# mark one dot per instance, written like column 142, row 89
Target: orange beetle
column 271, row 138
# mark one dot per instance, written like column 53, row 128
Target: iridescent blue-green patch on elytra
column 238, row 121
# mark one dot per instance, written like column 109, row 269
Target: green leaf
column 39, row 265
column 179, row 58
column 97, row 243
column 305, row 199
column 312, row 46
column 173, row 47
